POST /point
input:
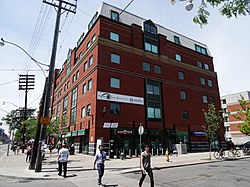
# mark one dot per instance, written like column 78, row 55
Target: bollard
column 162, row 151
column 157, row 152
column 167, row 155
column 129, row 152
column 152, row 152
column 136, row 155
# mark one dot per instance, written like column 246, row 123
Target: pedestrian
column 100, row 158
column 51, row 147
column 63, row 156
column 29, row 152
column 146, row 167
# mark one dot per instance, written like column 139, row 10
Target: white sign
column 120, row 98
column 110, row 125
column 141, row 130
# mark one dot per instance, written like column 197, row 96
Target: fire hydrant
column 167, row 155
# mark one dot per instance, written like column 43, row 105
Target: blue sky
column 227, row 39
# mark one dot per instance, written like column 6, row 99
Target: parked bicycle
column 219, row 154
column 234, row 153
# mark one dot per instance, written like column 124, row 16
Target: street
column 229, row 173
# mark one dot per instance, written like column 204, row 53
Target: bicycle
column 219, row 154
column 233, row 153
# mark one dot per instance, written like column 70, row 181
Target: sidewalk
column 80, row 167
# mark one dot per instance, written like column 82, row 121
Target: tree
column 243, row 114
column 228, row 8
column 212, row 125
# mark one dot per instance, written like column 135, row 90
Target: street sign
column 45, row 120
column 141, row 130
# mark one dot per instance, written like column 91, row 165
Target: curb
column 30, row 178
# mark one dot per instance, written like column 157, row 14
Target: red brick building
column 126, row 71
column 229, row 104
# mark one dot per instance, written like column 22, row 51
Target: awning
column 81, row 132
column 74, row 133
column 68, row 134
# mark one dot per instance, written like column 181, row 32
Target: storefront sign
column 110, row 125
column 124, row 132
column 120, row 98
column 196, row 133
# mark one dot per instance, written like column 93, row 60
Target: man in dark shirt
column 230, row 144
column 146, row 167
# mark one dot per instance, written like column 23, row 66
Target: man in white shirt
column 100, row 158
column 63, row 156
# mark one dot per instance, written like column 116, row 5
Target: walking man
column 100, row 158
column 63, row 156
column 146, row 167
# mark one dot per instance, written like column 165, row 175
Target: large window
column 114, row 82
column 204, row 99
column 84, row 88
column 153, row 98
column 73, row 116
column 114, row 36
column 150, row 37
column 199, row 64
column 177, row 40
column 91, row 61
column 206, row 67
column 183, row 95
column 157, row 69
column 74, row 97
column 146, row 66
column 203, row 81
column 85, row 66
column 90, row 84
column 114, row 15
column 83, row 112
column 58, row 109
column 201, row 50
column 115, row 58
column 65, row 103
column 209, row 82
column 178, row 57
column 181, row 75
column 115, row 108
column 212, row 99
column 67, row 69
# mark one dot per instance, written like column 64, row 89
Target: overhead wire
column 8, row 82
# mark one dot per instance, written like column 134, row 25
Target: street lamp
column 189, row 6
column 4, row 102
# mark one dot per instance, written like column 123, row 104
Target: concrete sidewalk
column 80, row 167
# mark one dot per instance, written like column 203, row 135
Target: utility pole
column 26, row 82
column 60, row 5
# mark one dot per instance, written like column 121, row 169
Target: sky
column 30, row 24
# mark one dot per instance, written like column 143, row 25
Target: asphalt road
column 230, row 173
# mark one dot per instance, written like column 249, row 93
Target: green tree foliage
column 212, row 124
column 228, row 8
column 243, row 114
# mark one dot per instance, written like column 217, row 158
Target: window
column 91, row 23
column 80, row 55
column 150, row 37
column 224, row 101
column 157, row 69
column 67, row 69
column 183, row 95
column 212, row 99
column 114, row 36
column 73, row 79
column 206, row 67
column 201, row 50
column 115, row 108
column 85, row 66
column 153, row 99
column 88, row 109
column 58, row 109
column 114, row 15
column 88, row 44
column 209, row 82
column 90, row 84
column 77, row 75
column 178, row 57
column 115, row 58
column 114, row 82
column 73, row 116
column 199, row 64
column 177, row 40
column 181, row 75
column 83, row 112
column 146, row 66
column 203, row 81
column 84, row 88
column 93, row 38
column 65, row 103
column 204, row 99
column 74, row 97
column 185, row 115
column 91, row 61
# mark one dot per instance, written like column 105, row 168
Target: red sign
column 124, row 132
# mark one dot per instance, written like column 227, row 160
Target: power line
column 8, row 82
column 23, row 70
